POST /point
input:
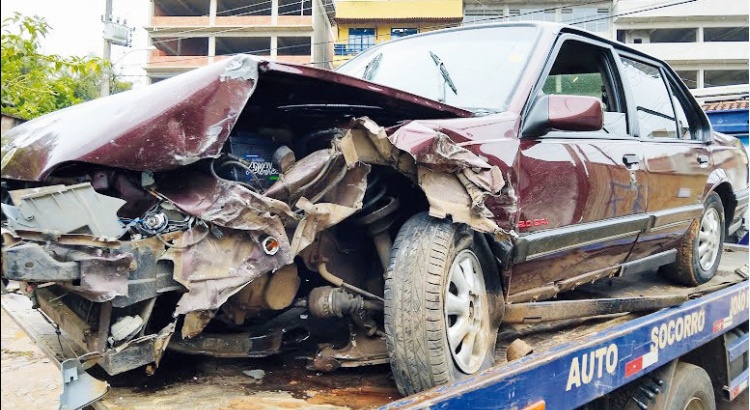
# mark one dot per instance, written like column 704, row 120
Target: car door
column 582, row 195
column 676, row 160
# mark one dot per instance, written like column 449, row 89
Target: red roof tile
column 726, row 105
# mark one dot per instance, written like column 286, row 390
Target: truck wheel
column 699, row 252
column 691, row 389
column 437, row 313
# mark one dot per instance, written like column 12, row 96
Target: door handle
column 630, row 159
column 703, row 159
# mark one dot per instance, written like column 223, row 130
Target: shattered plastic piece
column 257, row 374
column 125, row 327
column 76, row 209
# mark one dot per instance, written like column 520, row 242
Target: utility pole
column 107, row 50
column 117, row 33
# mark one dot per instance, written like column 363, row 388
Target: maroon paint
column 575, row 113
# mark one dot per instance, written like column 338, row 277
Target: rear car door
column 676, row 160
column 582, row 195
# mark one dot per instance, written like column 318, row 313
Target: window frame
column 698, row 121
column 619, row 99
column 416, row 31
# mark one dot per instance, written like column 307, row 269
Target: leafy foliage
column 33, row 83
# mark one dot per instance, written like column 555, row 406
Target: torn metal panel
column 162, row 341
column 213, row 269
column 64, row 209
column 104, row 278
column 345, row 199
column 311, row 177
column 455, row 181
column 195, row 322
column 222, row 202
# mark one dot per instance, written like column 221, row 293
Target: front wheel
column 699, row 253
column 437, row 309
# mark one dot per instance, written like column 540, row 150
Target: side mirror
column 563, row 112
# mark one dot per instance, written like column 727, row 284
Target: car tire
column 699, row 252
column 691, row 389
column 429, row 332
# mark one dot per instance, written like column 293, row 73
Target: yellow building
column 364, row 23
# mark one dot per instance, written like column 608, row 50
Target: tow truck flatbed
column 573, row 363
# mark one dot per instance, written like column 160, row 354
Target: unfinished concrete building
column 190, row 33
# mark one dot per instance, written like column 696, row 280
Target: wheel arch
column 719, row 182
column 728, row 201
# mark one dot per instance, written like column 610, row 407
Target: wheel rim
column 695, row 403
column 709, row 238
column 465, row 312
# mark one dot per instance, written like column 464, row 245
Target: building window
column 295, row 7
column 182, row 8
column 712, row 34
column 690, row 78
column 674, row 35
column 532, row 14
column 360, row 39
column 260, row 46
column 241, row 8
column 483, row 15
column 293, row 46
column 403, row 32
column 179, row 46
column 588, row 18
column 716, row 78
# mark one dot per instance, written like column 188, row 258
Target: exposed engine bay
column 278, row 236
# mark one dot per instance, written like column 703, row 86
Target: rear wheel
column 691, row 389
column 699, row 253
column 437, row 309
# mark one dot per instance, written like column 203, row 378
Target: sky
column 77, row 30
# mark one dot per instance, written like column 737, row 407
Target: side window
column 683, row 124
column 583, row 69
column 653, row 100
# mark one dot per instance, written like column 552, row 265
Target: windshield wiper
column 372, row 67
column 444, row 72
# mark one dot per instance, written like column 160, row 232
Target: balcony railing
column 344, row 49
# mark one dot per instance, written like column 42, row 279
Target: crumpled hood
column 163, row 126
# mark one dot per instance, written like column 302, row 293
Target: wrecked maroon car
column 387, row 212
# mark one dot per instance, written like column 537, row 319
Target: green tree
column 33, row 83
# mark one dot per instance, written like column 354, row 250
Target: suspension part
column 377, row 215
column 329, row 302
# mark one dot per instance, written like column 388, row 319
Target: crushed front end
column 232, row 211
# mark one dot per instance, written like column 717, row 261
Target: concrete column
column 274, row 46
column 212, row 12
column 701, row 83
column 211, row 48
column 699, row 36
column 274, row 12
column 313, row 54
